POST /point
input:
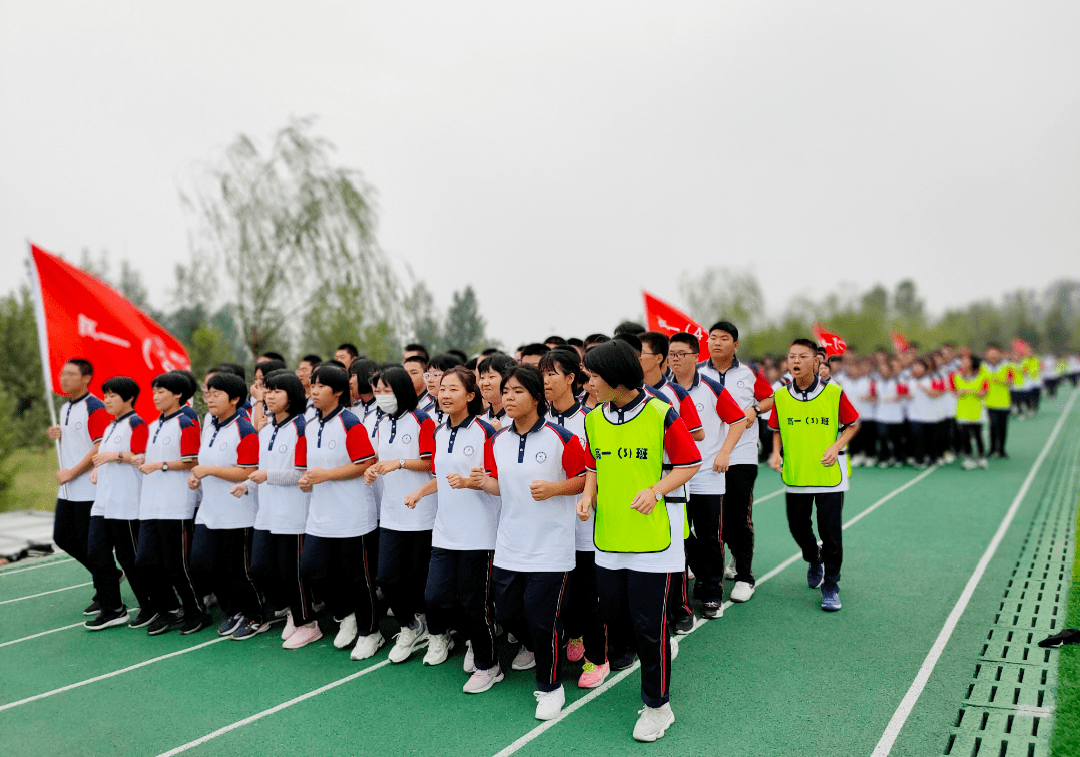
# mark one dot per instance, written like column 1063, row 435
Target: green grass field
column 1066, row 741
column 775, row 676
column 35, row 482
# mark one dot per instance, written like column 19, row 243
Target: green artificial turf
column 1066, row 739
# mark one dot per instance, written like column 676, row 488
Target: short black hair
column 657, row 342
column 592, row 339
column 234, row 368
column 534, row 350
column 630, row 339
column 533, row 381
column 401, row 385
column 352, row 349
column 471, row 363
column 689, row 340
column 468, row 381
column 229, row 383
column 266, row 367
column 575, row 342
column 288, row 382
column 123, row 387
column 417, row 359
column 490, row 351
column 616, row 363
column 629, row 327
column 270, row 356
column 458, row 353
column 445, row 362
column 558, row 341
column 976, row 362
column 175, row 382
column 496, row 362
column 313, row 360
column 417, row 347
column 334, row 377
column 189, row 377
column 989, row 346
column 85, row 367
column 335, row 363
column 840, row 359
column 727, row 326
column 805, row 343
column 363, row 368
column 564, row 360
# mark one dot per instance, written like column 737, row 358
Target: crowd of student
column 564, row 496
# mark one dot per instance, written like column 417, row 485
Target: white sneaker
column 366, row 646
column 653, row 723
column 523, row 660
column 290, row 628
column 729, row 568
column 742, row 591
column 510, row 638
column 982, row 462
column 469, row 666
column 948, row 458
column 482, row 680
column 409, row 640
column 549, row 703
column 439, row 646
column 347, row 633
column 674, row 647
column 969, row 464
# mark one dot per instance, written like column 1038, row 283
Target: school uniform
column 890, row 419
column 717, row 410
column 404, row 534
column 534, row 547
column 922, row 416
column 635, row 579
column 370, row 414
column 82, row 424
column 224, row 525
column 459, row 582
column 166, row 515
column 497, row 420
column 339, row 549
column 114, row 517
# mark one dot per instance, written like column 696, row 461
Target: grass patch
column 1066, row 738
column 35, row 483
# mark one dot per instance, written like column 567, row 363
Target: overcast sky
column 561, row 156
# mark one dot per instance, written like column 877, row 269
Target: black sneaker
column 108, row 619
column 684, row 625
column 195, row 624
column 166, row 622
column 144, row 618
column 712, row 610
column 623, row 661
column 92, row 609
column 249, row 629
column 230, row 624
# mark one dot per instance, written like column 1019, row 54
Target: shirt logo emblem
column 406, row 438
column 223, row 446
column 283, row 448
column 166, row 440
column 541, row 457
column 468, row 451
column 700, row 406
column 78, row 424
column 742, row 384
column 332, row 444
column 117, row 439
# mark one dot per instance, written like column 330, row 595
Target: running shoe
column 712, row 610
column 524, row 660
column 815, row 575
column 249, row 629
column 830, row 600
column 166, row 622
column 196, row 624
column 106, row 619
column 439, row 646
column 575, row 649
column 654, row 722
column 410, row 638
column 549, row 703
column 230, row 624
column 303, row 635
column 144, row 618
column 593, row 675
column 482, row 680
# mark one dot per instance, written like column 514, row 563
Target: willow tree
column 281, row 227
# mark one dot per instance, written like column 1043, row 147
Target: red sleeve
column 247, row 452
column 189, row 442
column 902, row 390
column 679, row 445
column 427, row 439
column 873, row 389
column 762, row 388
column 139, row 436
column 985, row 385
column 848, row 414
column 688, row 412
column 590, row 462
column 489, row 459
column 952, row 382
column 574, row 459
column 96, row 424
column 774, row 422
column 357, row 444
column 301, row 453
column 728, row 409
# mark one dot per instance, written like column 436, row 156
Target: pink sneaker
column 290, row 627
column 303, row 635
column 575, row 650
column 593, row 675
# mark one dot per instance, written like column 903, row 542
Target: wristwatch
column 757, row 409
column 401, row 464
column 657, row 494
column 164, row 466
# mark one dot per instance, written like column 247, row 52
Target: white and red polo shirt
column 119, row 484
column 717, row 410
column 282, row 450
column 745, row 387
column 82, row 424
column 228, row 443
column 409, row 436
column 573, row 420
column 339, row 509
column 164, row 494
column 466, row 518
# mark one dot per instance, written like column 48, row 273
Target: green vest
column 807, row 428
column 629, row 457
column 1033, row 368
column 997, row 396
column 969, row 406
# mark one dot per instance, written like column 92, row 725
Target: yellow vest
column 807, row 428
column 997, row 397
column 969, row 406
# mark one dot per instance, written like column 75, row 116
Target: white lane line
column 767, row 497
column 521, row 742
column 54, row 630
column 272, row 710
column 46, row 593
column 35, row 567
column 907, row 704
column 113, row 674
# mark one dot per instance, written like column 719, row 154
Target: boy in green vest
column 812, row 422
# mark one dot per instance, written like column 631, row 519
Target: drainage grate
column 1006, row 709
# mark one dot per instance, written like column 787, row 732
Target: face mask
column 387, row 403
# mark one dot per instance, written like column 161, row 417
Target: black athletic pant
column 582, row 614
column 275, row 566
column 889, row 446
column 459, row 593
column 705, row 547
column 164, row 557
column 107, row 534
column 1034, row 397
column 738, row 519
column 970, row 439
column 636, row 604
column 830, row 520
column 679, row 597
column 343, row 569
column 71, row 530
column 920, row 440
column 221, row 559
column 404, row 557
column 764, row 440
column 999, row 426
column 529, row 606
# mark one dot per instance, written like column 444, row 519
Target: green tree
column 282, row 227
column 20, row 370
column 420, row 306
column 909, row 308
column 723, row 294
column 464, row 325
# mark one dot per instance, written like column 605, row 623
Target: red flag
column 668, row 319
column 831, row 343
column 899, row 343
column 1021, row 347
column 79, row 315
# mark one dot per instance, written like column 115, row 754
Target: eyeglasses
column 432, row 375
column 657, row 354
column 680, row 355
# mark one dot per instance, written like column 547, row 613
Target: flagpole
column 43, row 347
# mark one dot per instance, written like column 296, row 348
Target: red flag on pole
column 668, row 319
column 831, row 343
column 899, row 343
column 78, row 315
column 1021, row 347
